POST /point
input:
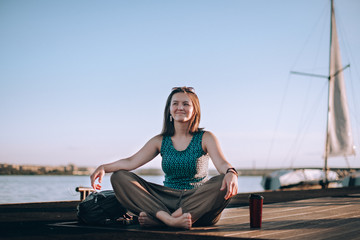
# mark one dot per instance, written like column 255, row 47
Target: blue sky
column 85, row 82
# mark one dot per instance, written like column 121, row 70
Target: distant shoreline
column 73, row 170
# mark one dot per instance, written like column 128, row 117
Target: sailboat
column 339, row 141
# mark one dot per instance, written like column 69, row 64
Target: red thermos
column 255, row 207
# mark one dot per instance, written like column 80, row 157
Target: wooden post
column 84, row 192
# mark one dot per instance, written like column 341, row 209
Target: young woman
column 187, row 198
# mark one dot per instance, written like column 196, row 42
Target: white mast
column 339, row 140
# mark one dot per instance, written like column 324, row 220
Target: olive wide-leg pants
column 204, row 203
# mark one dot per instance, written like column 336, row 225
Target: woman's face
column 181, row 107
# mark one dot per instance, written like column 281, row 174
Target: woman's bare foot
column 176, row 220
column 146, row 221
column 184, row 221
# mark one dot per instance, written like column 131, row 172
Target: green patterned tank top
column 186, row 169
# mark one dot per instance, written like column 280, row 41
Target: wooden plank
column 337, row 231
column 314, row 221
column 293, row 195
column 302, row 229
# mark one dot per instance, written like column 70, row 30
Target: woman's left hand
column 230, row 183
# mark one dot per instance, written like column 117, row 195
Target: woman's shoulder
column 207, row 140
column 208, row 134
column 156, row 140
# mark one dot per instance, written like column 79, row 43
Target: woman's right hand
column 97, row 174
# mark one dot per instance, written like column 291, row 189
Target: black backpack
column 102, row 208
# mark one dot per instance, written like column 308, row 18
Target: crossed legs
column 158, row 205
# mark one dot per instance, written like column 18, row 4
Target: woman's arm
column 211, row 145
column 148, row 152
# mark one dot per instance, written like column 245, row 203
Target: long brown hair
column 168, row 126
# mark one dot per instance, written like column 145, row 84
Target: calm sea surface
column 21, row 189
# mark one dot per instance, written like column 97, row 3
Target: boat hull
column 295, row 178
column 352, row 180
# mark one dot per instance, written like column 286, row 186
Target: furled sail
column 340, row 141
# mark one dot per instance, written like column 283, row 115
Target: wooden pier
column 299, row 217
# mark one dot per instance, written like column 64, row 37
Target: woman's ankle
column 177, row 213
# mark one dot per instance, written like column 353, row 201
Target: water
column 22, row 189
